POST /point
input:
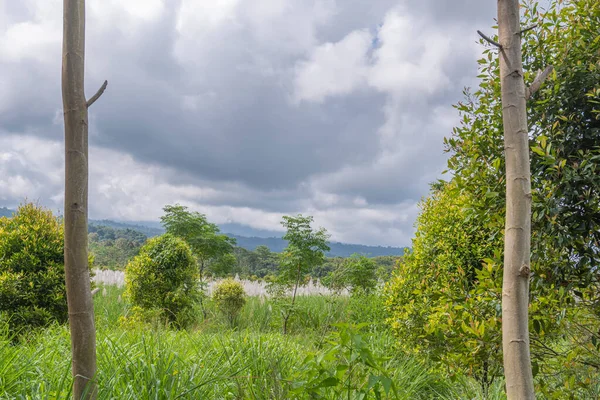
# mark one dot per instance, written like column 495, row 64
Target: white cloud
column 334, row 68
column 196, row 16
column 33, row 39
column 410, row 59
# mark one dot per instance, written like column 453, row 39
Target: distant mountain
column 147, row 230
column 5, row 212
column 337, row 249
column 275, row 244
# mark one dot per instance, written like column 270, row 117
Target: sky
column 244, row 110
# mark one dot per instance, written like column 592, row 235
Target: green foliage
column 305, row 251
column 113, row 248
column 348, row 368
column 162, row 281
column 564, row 125
column 212, row 248
column 357, row 274
column 565, row 117
column 254, row 361
column 32, row 274
column 451, row 281
column 229, row 297
column 442, row 302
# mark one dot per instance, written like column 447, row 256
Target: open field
column 212, row 361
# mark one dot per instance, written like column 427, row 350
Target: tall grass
column 252, row 361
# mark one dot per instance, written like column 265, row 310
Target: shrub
column 163, row 279
column 229, row 297
column 443, row 299
column 32, row 272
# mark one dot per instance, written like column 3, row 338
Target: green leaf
column 327, row 382
column 386, row 383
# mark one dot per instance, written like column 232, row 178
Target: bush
column 229, row 297
column 444, row 299
column 162, row 280
column 32, row 272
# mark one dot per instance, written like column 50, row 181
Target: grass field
column 214, row 361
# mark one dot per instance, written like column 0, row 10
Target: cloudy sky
column 245, row 110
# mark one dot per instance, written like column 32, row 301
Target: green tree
column 565, row 146
column 357, row 274
column 443, row 301
column 564, row 123
column 32, row 272
column 266, row 261
column 306, row 250
column 113, row 248
column 212, row 248
column 162, row 281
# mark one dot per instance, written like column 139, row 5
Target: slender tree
column 517, row 236
column 305, row 251
column 77, row 276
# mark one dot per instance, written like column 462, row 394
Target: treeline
column 336, row 249
column 275, row 244
column 113, row 248
column 262, row 263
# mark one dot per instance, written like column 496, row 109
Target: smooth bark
column 515, row 287
column 79, row 296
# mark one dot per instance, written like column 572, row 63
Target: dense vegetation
column 422, row 326
column 445, row 299
column 275, row 244
column 213, row 361
column 161, row 282
column 113, row 248
column 32, row 272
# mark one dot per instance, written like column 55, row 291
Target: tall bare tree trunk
column 79, row 296
column 515, row 287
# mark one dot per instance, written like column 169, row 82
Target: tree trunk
column 515, row 287
column 79, row 297
column 289, row 313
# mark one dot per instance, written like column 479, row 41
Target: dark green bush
column 32, row 272
column 163, row 281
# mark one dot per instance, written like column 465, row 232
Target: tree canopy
column 457, row 252
column 212, row 248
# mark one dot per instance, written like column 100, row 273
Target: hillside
column 5, row 212
column 275, row 244
column 147, row 230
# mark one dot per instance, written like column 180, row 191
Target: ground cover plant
column 252, row 361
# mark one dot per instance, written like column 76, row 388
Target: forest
column 114, row 247
column 498, row 296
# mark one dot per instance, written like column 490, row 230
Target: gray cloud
column 204, row 107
